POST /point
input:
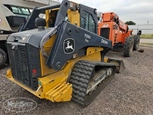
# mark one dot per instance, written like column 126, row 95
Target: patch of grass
column 147, row 36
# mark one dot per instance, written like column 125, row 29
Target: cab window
column 87, row 22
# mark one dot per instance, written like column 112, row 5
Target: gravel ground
column 129, row 93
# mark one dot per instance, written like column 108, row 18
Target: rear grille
column 19, row 63
column 24, row 63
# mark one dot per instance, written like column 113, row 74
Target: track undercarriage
column 88, row 79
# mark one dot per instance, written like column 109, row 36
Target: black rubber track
column 80, row 77
column 128, row 46
column 136, row 42
column 4, row 57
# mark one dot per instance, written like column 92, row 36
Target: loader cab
column 77, row 14
column 51, row 17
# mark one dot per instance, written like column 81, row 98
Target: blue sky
column 139, row 11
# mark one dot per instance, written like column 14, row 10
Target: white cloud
column 139, row 11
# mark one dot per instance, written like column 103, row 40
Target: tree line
column 130, row 23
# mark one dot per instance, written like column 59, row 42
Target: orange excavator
column 112, row 28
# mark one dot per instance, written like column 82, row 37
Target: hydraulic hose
column 46, row 38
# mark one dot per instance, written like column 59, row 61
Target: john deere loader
column 60, row 57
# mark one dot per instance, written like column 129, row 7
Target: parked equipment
column 12, row 14
column 61, row 57
column 112, row 28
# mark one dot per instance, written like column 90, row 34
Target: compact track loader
column 61, row 57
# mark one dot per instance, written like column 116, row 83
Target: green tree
column 130, row 23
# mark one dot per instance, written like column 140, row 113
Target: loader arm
column 79, row 38
column 63, row 8
column 30, row 24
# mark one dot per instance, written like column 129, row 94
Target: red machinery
column 112, row 28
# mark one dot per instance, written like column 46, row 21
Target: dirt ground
column 129, row 93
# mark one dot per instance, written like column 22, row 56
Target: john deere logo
column 69, row 46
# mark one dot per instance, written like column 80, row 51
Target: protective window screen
column 92, row 25
column 87, row 22
column 84, row 20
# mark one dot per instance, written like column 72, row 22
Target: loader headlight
column 23, row 38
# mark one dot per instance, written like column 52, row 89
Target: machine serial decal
column 69, row 46
column 87, row 37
